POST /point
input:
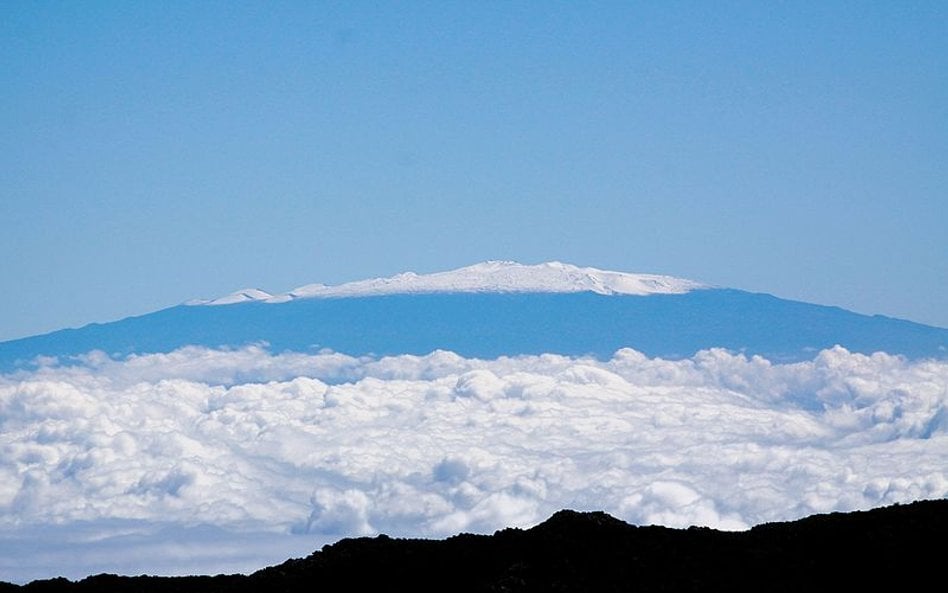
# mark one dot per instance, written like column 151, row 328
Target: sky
column 157, row 152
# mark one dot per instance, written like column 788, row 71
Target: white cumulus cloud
column 207, row 460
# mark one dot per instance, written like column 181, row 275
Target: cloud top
column 317, row 447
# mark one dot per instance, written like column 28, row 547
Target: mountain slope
column 491, row 324
column 883, row 548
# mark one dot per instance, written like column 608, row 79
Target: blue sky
column 152, row 153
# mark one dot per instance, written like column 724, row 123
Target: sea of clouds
column 206, row 460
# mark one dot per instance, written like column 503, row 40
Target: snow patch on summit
column 490, row 276
column 245, row 295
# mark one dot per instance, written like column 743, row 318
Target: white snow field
column 490, row 276
column 206, row 460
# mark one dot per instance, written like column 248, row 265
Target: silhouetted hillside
column 899, row 547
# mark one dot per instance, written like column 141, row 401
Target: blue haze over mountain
column 489, row 324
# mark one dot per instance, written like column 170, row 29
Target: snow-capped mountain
column 489, row 276
column 498, row 309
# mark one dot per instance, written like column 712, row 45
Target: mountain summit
column 492, row 309
column 489, row 276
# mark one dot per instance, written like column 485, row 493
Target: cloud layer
column 133, row 465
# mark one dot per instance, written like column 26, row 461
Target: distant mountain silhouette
column 898, row 548
column 488, row 325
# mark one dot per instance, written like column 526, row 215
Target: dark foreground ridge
column 900, row 547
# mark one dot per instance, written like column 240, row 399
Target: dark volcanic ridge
column 897, row 546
